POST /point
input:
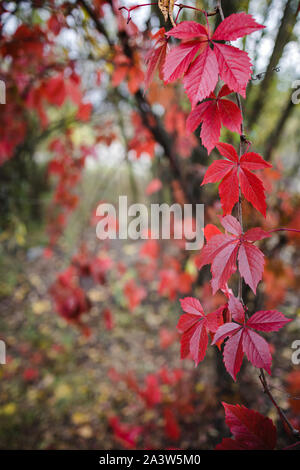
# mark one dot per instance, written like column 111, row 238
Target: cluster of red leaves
column 200, row 76
column 134, row 293
column 125, row 434
column 34, row 81
column 174, row 280
column 155, row 394
column 195, row 327
column 127, row 69
column 143, row 141
column 70, row 298
column 201, row 59
column 175, row 124
column 154, row 263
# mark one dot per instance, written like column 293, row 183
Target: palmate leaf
column 214, row 59
column 222, row 251
column 243, row 340
column 194, row 326
column 234, row 172
column 214, row 113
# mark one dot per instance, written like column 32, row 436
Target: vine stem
column 180, row 7
column 285, row 421
column 287, row 424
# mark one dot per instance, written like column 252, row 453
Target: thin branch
column 294, row 432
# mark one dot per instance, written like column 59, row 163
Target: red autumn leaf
column 250, row 429
column 194, row 326
column 213, row 114
column 210, row 231
column 235, row 172
column 228, row 62
column 109, row 320
column 243, row 340
column 134, row 294
column 154, row 186
column 172, row 429
column 236, row 309
column 202, row 77
column 156, row 57
column 125, row 434
column 234, row 66
column 222, row 250
column 236, row 26
column 267, row 320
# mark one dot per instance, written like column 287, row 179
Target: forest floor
column 61, row 389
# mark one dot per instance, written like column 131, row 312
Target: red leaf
column 234, row 67
column 236, row 26
column 216, row 171
column 243, row 340
column 268, row 320
column 257, row 350
column 253, row 190
column 254, row 161
column 231, row 444
column 228, row 329
column 232, row 64
column 223, row 266
column 172, row 428
column 194, row 326
column 202, row 77
column 232, row 225
column 154, row 186
column 178, row 60
column 236, row 309
column 221, row 251
column 211, row 230
column 251, row 430
column 192, row 306
column 188, row 30
column 231, row 116
column 251, row 264
column 156, row 57
column 228, row 151
column 229, row 191
column 233, row 353
column 255, row 234
column 237, row 173
column 213, row 114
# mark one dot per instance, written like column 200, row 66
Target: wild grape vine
column 211, row 70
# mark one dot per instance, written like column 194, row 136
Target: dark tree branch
column 150, row 120
column 283, row 36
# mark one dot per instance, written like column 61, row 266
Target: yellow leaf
column 85, row 431
column 63, row 391
column 9, row 409
column 41, row 306
column 80, row 418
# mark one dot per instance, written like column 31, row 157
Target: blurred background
column 92, row 352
